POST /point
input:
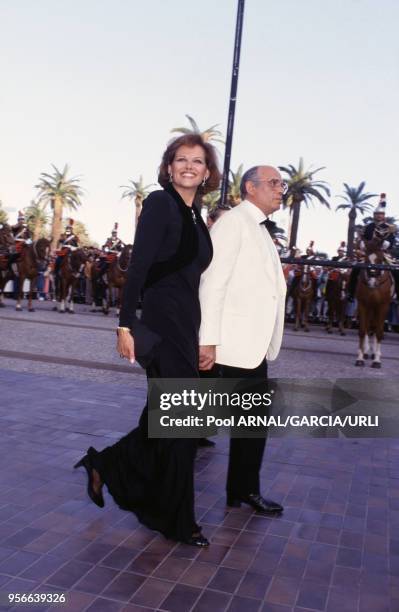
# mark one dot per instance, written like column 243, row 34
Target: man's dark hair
column 249, row 175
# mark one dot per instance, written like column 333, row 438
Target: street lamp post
column 232, row 104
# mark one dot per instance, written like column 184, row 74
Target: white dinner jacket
column 242, row 292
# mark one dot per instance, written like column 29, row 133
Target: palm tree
column 37, row 219
column 3, row 214
column 302, row 188
column 211, row 134
column 60, row 192
column 137, row 191
column 211, row 200
column 355, row 200
column 234, row 190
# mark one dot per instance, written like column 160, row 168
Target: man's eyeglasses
column 274, row 183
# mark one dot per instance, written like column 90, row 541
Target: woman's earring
column 204, row 181
column 170, row 177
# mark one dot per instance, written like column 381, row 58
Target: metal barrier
column 328, row 263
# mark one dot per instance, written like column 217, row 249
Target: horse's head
column 124, row 258
column 42, row 249
column 78, row 258
column 374, row 251
column 305, row 274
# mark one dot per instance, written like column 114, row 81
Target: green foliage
column 234, row 192
column 355, row 199
column 211, row 200
column 211, row 134
column 302, row 187
column 37, row 219
column 136, row 190
column 57, row 186
column 3, row 214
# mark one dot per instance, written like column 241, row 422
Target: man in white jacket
column 242, row 296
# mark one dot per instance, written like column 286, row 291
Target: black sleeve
column 150, row 233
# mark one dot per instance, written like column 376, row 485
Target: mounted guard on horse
column 111, row 270
column 68, row 267
column 336, row 292
column 304, row 289
column 111, row 250
column 375, row 288
column 7, row 248
column 22, row 236
column 24, row 258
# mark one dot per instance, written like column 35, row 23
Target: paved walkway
column 335, row 548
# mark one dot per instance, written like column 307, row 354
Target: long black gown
column 154, row 477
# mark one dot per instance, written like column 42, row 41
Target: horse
column 302, row 292
column 68, row 275
column 99, row 285
column 337, row 296
column 373, row 293
column 28, row 267
column 7, row 246
column 117, row 276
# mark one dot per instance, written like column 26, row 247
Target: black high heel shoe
column 197, row 540
column 85, row 462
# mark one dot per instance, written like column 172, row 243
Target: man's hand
column 125, row 344
column 207, row 356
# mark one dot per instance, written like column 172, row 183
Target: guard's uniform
column 377, row 229
column 22, row 235
column 68, row 242
column 110, row 250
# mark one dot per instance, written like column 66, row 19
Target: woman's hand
column 125, row 344
column 207, row 356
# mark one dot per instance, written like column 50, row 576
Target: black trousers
column 246, row 454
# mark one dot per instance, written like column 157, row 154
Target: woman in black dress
column 154, row 477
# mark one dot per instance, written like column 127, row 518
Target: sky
column 99, row 84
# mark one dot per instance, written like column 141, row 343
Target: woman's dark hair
column 191, row 140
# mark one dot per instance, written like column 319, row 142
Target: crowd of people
column 46, row 286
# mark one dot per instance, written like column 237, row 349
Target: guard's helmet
column 114, row 232
column 341, row 249
column 21, row 216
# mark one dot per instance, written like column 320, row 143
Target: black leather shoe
column 197, row 540
column 258, row 503
column 85, row 462
column 204, row 442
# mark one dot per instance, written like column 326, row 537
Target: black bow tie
column 269, row 225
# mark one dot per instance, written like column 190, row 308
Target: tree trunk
column 37, row 230
column 351, row 231
column 138, row 200
column 296, row 209
column 56, row 227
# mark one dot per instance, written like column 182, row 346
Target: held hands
column 125, row 344
column 207, row 356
